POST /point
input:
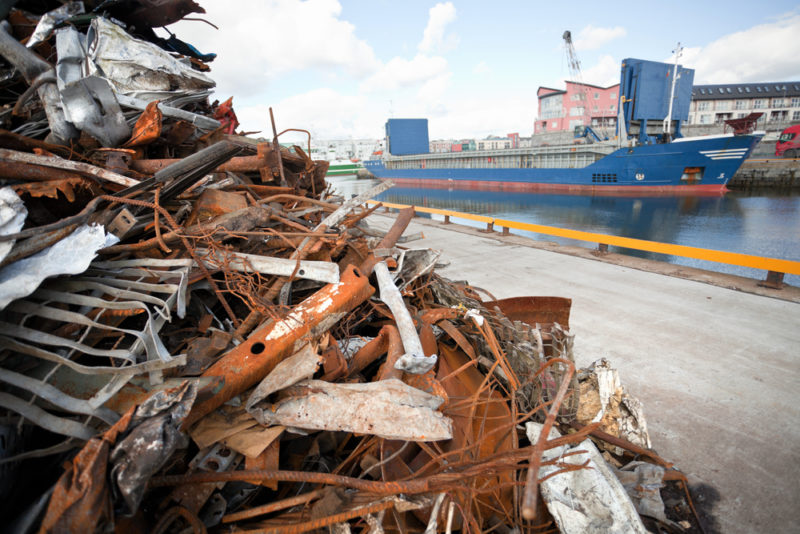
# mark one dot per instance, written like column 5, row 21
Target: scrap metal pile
column 197, row 334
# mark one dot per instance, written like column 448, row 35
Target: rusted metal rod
column 273, row 506
column 532, row 482
column 248, row 363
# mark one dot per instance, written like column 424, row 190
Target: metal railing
column 776, row 268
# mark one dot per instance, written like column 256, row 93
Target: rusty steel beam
column 248, row 363
column 14, row 170
column 238, row 164
column 402, row 221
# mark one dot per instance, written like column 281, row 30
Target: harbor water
column 761, row 224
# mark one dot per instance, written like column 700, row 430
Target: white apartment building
column 778, row 101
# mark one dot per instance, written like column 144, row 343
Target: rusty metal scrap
column 240, row 348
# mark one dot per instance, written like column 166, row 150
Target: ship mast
column 668, row 119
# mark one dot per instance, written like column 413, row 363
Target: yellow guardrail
column 774, row 266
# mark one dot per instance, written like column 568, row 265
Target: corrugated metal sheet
column 407, row 136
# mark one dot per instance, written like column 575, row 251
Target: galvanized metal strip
column 57, row 397
column 144, row 367
column 320, row 271
column 151, row 343
column 66, row 316
column 44, row 338
column 59, row 425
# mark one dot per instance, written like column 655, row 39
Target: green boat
column 343, row 167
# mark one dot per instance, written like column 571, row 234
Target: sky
column 341, row 68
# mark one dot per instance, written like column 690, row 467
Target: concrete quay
column 715, row 359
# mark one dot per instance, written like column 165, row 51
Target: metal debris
column 234, row 346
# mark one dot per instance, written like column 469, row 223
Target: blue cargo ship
column 649, row 153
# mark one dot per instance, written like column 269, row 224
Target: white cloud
column 434, row 39
column 261, row 40
column 400, row 73
column 591, row 37
column 604, row 73
column 767, row 52
column 481, row 68
column 326, row 113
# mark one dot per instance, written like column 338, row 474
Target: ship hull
column 712, row 161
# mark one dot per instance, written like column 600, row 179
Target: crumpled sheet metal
column 51, row 19
column 81, row 500
column 12, row 217
column 71, row 255
column 388, row 408
column 88, row 101
column 155, row 436
column 585, row 501
column 299, row 366
column 133, row 65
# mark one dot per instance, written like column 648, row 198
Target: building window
column 705, row 119
column 702, row 106
column 702, row 91
column 613, row 95
column 796, row 101
column 758, row 103
column 723, row 105
column 612, row 107
column 796, row 115
column 596, row 96
column 576, row 111
column 778, row 103
column 728, row 89
column 739, row 89
column 741, row 104
column 594, row 108
column 746, row 89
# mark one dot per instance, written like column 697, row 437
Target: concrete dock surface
column 717, row 369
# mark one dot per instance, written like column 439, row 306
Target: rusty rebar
column 531, row 481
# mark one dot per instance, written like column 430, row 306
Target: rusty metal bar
column 273, row 506
column 390, row 239
column 249, row 362
column 532, row 482
column 277, row 147
column 83, row 169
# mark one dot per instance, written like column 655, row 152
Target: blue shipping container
column 407, row 136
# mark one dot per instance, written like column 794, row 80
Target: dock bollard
column 774, row 280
